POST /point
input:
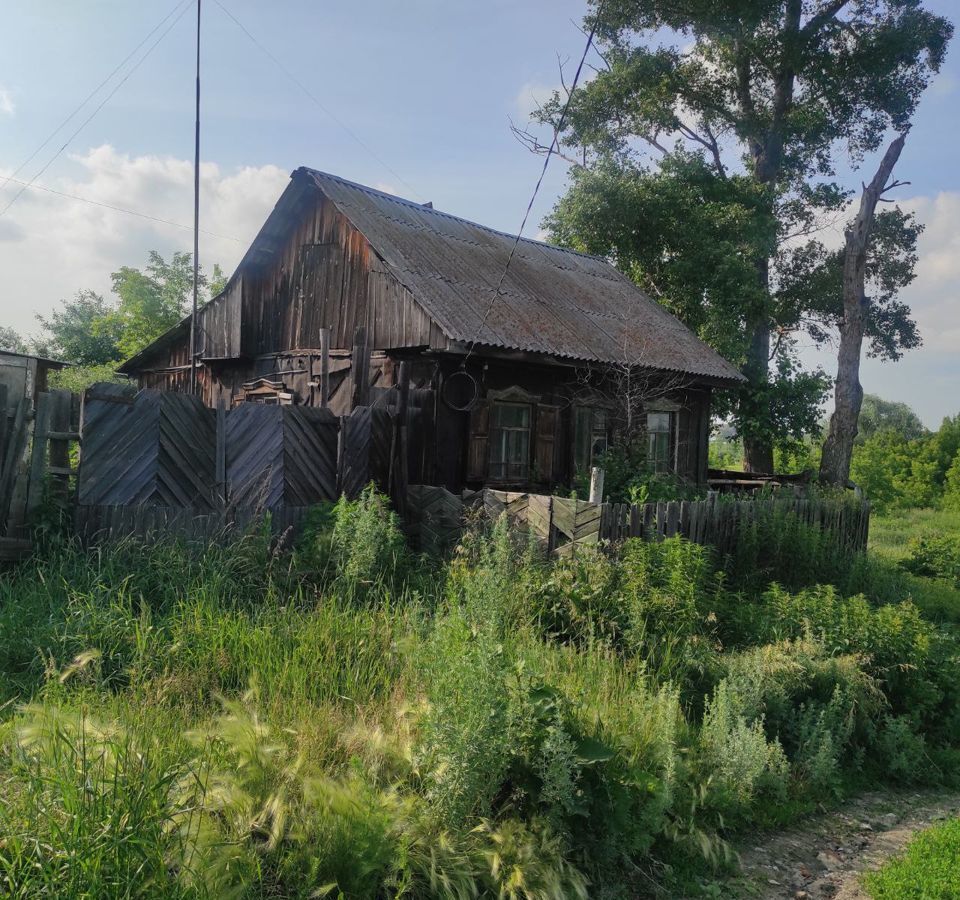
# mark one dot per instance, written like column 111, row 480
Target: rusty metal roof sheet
column 553, row 301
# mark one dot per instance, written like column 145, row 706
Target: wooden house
column 519, row 375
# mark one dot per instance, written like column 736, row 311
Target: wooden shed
column 24, row 376
column 517, row 380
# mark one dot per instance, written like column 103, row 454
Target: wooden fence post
column 38, row 457
column 397, row 478
column 360, row 368
column 596, row 485
column 4, row 423
column 324, row 368
column 16, row 444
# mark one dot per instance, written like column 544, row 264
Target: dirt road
column 824, row 857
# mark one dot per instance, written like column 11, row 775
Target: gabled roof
column 553, row 301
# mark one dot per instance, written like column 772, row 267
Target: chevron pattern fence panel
column 149, row 449
column 254, row 456
column 434, row 517
column 355, row 431
column 310, row 438
column 166, row 450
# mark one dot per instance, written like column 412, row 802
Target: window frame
column 507, row 470
column 654, row 460
column 594, row 412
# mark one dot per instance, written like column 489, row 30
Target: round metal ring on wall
column 461, row 391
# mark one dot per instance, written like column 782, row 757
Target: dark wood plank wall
column 325, row 276
column 220, row 333
column 328, row 276
column 559, row 390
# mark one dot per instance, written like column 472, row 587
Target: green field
column 347, row 719
column 891, row 537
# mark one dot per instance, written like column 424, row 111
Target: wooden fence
column 435, row 517
column 162, row 460
column 35, row 461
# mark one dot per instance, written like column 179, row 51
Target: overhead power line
column 328, row 112
column 185, row 6
column 536, row 190
column 88, row 98
column 120, row 209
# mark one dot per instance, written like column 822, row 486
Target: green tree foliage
column 153, row 299
column 97, row 334
column 218, row 281
column 899, row 472
column 878, row 415
column 83, row 331
column 10, row 339
column 747, row 122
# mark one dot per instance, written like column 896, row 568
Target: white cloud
column 387, row 188
column 51, row 246
column 935, row 295
column 7, row 107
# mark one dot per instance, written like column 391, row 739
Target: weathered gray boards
column 36, row 432
column 435, row 518
column 167, row 450
column 524, row 372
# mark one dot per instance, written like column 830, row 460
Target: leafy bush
column 502, row 723
column 744, row 764
column 934, row 557
column 628, row 478
column 358, row 546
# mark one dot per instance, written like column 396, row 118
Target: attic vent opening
column 427, row 205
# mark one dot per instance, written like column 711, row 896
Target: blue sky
column 428, row 85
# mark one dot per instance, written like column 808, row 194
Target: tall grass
column 348, row 719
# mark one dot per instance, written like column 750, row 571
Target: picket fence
column 435, row 518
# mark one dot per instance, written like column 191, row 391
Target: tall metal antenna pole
column 196, row 225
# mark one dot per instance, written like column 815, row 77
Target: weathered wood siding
column 268, row 323
column 327, row 276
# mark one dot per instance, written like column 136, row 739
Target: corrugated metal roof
column 553, row 301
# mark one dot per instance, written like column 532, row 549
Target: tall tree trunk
column 848, row 393
column 757, row 448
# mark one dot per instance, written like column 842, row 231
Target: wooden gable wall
column 326, row 275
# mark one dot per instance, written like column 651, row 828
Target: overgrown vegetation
column 347, row 719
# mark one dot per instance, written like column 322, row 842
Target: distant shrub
column 934, row 556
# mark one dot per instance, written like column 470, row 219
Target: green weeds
column 350, row 720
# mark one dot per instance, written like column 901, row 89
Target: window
column 510, row 441
column 590, row 436
column 660, row 441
